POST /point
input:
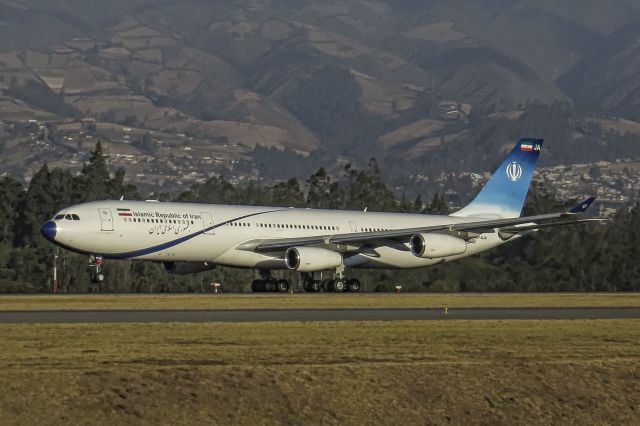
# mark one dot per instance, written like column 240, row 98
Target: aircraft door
column 106, row 219
column 354, row 227
column 207, row 222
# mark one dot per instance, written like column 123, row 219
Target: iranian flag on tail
column 124, row 212
column 527, row 147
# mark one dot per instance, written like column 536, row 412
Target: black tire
column 308, row 285
column 353, row 285
column 316, row 286
column 328, row 285
column 270, row 285
column 256, row 286
column 339, row 285
column 96, row 277
column 282, row 286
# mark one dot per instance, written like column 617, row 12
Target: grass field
column 318, row 301
column 459, row 372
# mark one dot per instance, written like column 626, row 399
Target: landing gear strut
column 96, row 269
column 267, row 283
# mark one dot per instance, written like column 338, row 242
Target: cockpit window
column 58, row 217
column 75, row 217
column 68, row 216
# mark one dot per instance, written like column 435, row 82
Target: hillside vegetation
column 408, row 80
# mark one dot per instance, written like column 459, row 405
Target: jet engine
column 311, row 259
column 183, row 268
column 434, row 246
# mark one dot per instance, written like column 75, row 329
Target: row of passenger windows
column 68, row 216
column 146, row 220
column 236, row 224
column 285, row 226
column 289, row 226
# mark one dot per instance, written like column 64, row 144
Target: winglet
column 583, row 206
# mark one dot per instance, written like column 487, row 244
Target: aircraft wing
column 472, row 228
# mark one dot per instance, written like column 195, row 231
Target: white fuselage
column 174, row 232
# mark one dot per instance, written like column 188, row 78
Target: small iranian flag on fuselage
column 527, row 147
column 124, row 212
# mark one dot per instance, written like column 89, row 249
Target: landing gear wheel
column 282, row 286
column 270, row 285
column 96, row 277
column 339, row 285
column 353, row 285
column 307, row 284
column 327, row 285
column 257, row 286
column 316, row 287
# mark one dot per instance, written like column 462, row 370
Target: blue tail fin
column 503, row 196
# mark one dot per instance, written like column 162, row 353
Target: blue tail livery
column 504, row 195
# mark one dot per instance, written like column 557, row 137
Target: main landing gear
column 315, row 284
column 96, row 269
column 311, row 283
column 267, row 283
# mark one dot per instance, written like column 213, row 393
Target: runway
column 261, row 315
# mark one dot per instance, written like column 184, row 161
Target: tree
column 94, row 184
column 37, row 205
column 438, row 205
column 11, row 193
column 146, row 143
column 287, row 194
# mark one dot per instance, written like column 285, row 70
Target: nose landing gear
column 96, row 269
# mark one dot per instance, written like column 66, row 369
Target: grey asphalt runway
column 256, row 315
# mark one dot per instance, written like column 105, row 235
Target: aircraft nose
column 49, row 230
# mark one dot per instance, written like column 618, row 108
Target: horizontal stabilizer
column 583, row 206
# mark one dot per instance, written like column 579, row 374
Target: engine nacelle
column 434, row 246
column 311, row 259
column 183, row 268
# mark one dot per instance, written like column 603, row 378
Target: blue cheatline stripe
column 169, row 244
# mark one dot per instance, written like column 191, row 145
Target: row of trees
column 585, row 258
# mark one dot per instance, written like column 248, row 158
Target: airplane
column 190, row 237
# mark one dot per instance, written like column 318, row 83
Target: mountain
column 402, row 79
column 607, row 78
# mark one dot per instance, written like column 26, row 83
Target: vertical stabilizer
column 504, row 194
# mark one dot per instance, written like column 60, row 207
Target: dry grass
column 315, row 301
column 460, row 372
